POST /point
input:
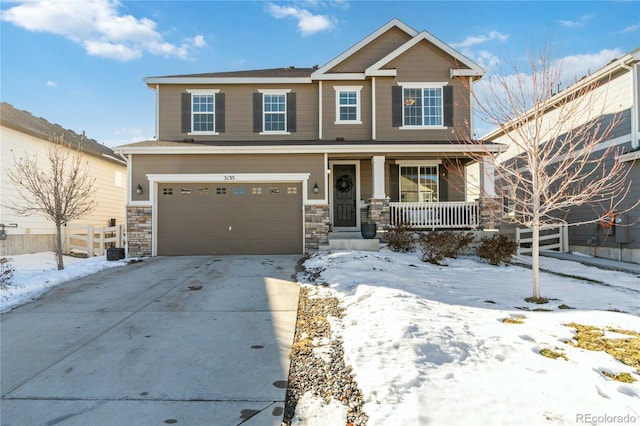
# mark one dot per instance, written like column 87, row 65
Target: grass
column 516, row 319
column 622, row 377
column 625, row 350
column 549, row 353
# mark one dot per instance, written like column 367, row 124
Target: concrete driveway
column 171, row 340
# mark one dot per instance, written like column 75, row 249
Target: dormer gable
column 372, row 55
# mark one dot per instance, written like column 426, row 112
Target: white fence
column 92, row 240
column 552, row 237
column 437, row 215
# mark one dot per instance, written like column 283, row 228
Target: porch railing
column 437, row 215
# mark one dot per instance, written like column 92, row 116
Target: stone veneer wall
column 379, row 212
column 139, row 231
column 490, row 213
column 316, row 226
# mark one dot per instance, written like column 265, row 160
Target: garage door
column 237, row 218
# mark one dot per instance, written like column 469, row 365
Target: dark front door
column 344, row 195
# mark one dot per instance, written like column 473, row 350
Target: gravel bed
column 317, row 360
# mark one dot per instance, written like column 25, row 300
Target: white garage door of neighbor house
column 229, row 218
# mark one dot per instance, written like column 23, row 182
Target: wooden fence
column 92, row 240
column 552, row 237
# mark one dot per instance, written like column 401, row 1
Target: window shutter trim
column 257, row 112
column 291, row 112
column 396, row 106
column 186, row 112
column 447, row 104
column 220, row 113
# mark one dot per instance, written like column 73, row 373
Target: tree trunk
column 535, row 258
column 59, row 259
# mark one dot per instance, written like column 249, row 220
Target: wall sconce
column 315, row 188
column 139, row 190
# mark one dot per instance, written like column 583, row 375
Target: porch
column 435, row 215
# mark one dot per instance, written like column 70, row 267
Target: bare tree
column 557, row 157
column 61, row 189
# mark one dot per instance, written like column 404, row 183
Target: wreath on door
column 344, row 183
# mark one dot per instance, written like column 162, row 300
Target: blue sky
column 81, row 63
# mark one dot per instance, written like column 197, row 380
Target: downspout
column 472, row 130
column 373, row 108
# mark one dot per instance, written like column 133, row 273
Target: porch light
column 139, row 190
column 315, row 188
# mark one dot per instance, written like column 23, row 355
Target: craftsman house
column 272, row 160
column 21, row 134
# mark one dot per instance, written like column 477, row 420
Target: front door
column 344, row 195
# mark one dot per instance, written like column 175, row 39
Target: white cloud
column 631, row 28
column 480, row 39
column 308, row 23
column 580, row 22
column 99, row 27
column 576, row 66
column 52, row 84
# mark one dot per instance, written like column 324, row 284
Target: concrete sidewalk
column 171, row 340
column 614, row 265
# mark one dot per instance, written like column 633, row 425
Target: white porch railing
column 552, row 237
column 92, row 240
column 437, row 215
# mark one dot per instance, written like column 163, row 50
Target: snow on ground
column 34, row 274
column 428, row 345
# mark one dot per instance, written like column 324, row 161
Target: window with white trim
column 419, row 183
column 348, row 104
column 275, row 112
column 422, row 105
column 203, row 111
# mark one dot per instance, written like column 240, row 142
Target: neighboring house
column 23, row 134
column 618, row 91
column 270, row 161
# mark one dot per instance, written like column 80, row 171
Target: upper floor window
column 274, row 111
column 203, row 112
column 422, row 105
column 348, row 104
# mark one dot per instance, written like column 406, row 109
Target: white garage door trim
column 155, row 179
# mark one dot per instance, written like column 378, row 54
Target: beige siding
column 227, row 164
column 239, row 113
column 373, row 52
column 423, row 63
column 111, row 184
column 332, row 130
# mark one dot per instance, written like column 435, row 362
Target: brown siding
column 423, row 63
column 228, row 164
column 373, row 52
column 331, row 130
column 366, row 180
column 239, row 113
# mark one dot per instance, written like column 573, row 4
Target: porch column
column 377, row 163
column 487, row 178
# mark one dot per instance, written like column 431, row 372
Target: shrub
column 6, row 271
column 400, row 238
column 438, row 245
column 497, row 249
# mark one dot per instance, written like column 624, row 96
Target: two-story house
column 269, row 161
column 22, row 134
column 608, row 98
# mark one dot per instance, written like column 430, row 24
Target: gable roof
column 469, row 68
column 272, row 75
column 24, row 122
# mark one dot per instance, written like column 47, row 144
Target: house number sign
column 230, row 177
